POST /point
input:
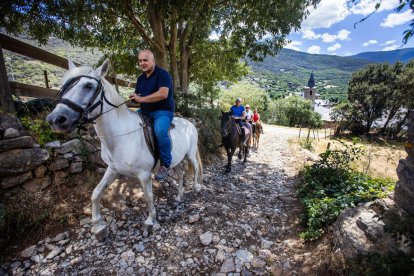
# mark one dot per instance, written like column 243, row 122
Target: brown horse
column 232, row 140
column 257, row 130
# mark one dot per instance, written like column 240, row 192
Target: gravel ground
column 242, row 223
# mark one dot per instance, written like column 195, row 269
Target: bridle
column 91, row 106
column 228, row 127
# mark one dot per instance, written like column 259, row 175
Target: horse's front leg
column 230, row 153
column 145, row 179
column 99, row 227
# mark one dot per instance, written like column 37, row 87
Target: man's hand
column 135, row 98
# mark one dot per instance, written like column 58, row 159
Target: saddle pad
column 246, row 130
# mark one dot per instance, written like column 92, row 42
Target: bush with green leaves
column 250, row 93
column 40, row 129
column 294, row 111
column 330, row 185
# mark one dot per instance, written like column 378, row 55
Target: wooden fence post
column 6, row 99
column 46, row 79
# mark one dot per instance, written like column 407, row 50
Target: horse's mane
column 110, row 93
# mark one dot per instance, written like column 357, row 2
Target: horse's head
column 78, row 97
column 227, row 121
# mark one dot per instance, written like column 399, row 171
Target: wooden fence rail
column 21, row 89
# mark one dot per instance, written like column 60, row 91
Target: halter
column 90, row 106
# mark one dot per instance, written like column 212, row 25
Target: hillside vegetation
column 289, row 72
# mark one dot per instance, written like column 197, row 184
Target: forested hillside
column 289, row 71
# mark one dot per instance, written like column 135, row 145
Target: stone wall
column 24, row 164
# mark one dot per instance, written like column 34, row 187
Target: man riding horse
column 239, row 113
column 154, row 91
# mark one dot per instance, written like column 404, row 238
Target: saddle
column 246, row 130
column 148, row 127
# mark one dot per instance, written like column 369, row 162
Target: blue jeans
column 162, row 122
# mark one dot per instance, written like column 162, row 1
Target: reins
column 85, row 111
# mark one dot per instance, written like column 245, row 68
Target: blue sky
column 330, row 28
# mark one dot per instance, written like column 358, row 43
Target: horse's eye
column 88, row 85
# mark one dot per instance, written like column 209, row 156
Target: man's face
column 146, row 62
column 247, row 108
column 238, row 103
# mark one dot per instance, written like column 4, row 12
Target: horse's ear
column 103, row 70
column 71, row 64
column 222, row 112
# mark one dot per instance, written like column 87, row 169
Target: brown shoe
column 163, row 173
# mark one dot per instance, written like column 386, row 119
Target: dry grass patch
column 379, row 158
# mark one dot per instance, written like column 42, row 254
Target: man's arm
column 157, row 96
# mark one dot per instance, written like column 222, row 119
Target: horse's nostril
column 61, row 120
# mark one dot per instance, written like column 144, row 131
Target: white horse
column 86, row 96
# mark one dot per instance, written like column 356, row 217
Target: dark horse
column 231, row 138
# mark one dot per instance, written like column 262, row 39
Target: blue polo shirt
column 237, row 110
column 148, row 85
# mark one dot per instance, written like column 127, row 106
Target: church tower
column 309, row 91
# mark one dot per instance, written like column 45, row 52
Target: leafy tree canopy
column 177, row 31
column 402, row 4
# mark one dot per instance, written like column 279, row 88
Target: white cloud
column 366, row 7
column 395, row 19
column 369, row 42
column 390, row 48
column 343, row 34
column 294, row 45
column 328, row 38
column 388, row 42
column 334, row 47
column 327, row 13
column 309, row 34
column 314, row 49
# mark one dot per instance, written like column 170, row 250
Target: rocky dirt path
column 242, row 223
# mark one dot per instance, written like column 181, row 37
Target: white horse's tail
column 191, row 168
column 200, row 165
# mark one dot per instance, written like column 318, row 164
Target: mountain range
column 289, row 71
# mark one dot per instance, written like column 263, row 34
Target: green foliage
column 289, row 71
column 330, row 185
column 39, row 129
column 209, row 134
column 293, row 111
column 306, row 143
column 376, row 90
column 177, row 31
column 250, row 93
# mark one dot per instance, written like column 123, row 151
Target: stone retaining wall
column 24, row 164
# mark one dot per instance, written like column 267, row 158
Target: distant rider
column 239, row 114
column 256, row 118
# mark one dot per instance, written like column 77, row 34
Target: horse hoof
column 240, row 157
column 99, row 231
column 150, row 222
column 177, row 199
column 197, row 188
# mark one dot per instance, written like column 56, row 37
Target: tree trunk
column 402, row 122
column 184, row 59
column 173, row 51
column 6, row 99
column 391, row 115
column 155, row 20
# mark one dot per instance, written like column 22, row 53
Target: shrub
column 330, row 185
column 39, row 129
column 209, row 134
